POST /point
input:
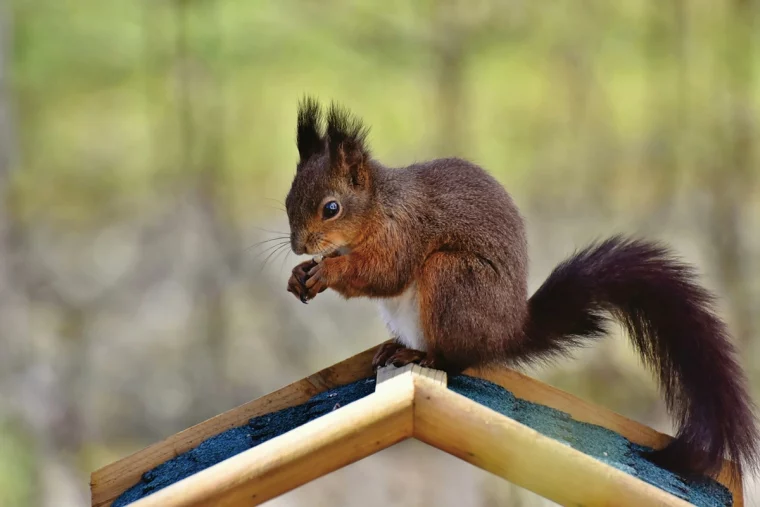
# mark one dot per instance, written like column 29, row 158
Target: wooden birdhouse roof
column 527, row 432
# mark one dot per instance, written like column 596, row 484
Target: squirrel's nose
column 297, row 244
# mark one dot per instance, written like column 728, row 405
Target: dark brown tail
column 671, row 323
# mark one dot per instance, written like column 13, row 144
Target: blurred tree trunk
column 14, row 338
column 7, row 226
column 16, row 346
column 201, row 123
column 62, row 434
column 733, row 174
column 450, row 59
column 48, row 409
column 665, row 148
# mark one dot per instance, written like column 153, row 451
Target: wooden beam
column 112, row 480
column 535, row 391
column 390, row 372
column 498, row 444
column 264, row 471
column 319, row 447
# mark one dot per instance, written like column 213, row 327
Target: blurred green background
column 146, row 145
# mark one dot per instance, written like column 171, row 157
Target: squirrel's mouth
column 329, row 252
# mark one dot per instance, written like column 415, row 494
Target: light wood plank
column 535, row 391
column 390, row 372
column 112, row 480
column 498, row 444
column 387, row 373
column 317, row 448
column 435, row 376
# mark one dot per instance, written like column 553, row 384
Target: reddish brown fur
column 449, row 227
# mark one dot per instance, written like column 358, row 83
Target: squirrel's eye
column 331, row 209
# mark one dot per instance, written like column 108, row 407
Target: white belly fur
column 402, row 316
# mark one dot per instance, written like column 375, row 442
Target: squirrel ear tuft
column 346, row 140
column 310, row 139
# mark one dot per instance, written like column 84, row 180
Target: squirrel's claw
column 297, row 289
column 384, row 352
column 315, row 281
column 297, row 281
column 404, row 356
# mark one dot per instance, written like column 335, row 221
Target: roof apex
column 410, row 402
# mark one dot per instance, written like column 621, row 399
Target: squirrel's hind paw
column 405, row 356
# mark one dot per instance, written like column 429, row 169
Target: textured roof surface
column 598, row 442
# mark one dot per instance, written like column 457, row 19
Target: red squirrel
column 441, row 246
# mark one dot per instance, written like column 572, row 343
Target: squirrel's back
column 464, row 208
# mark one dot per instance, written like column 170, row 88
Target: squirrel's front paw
column 297, row 280
column 316, row 280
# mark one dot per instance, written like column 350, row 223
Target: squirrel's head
column 330, row 201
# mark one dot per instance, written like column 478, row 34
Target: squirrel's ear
column 346, row 140
column 310, row 140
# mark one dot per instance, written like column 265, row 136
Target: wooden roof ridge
column 410, row 402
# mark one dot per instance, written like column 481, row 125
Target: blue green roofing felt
column 598, row 442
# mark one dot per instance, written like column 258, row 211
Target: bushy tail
column 670, row 320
